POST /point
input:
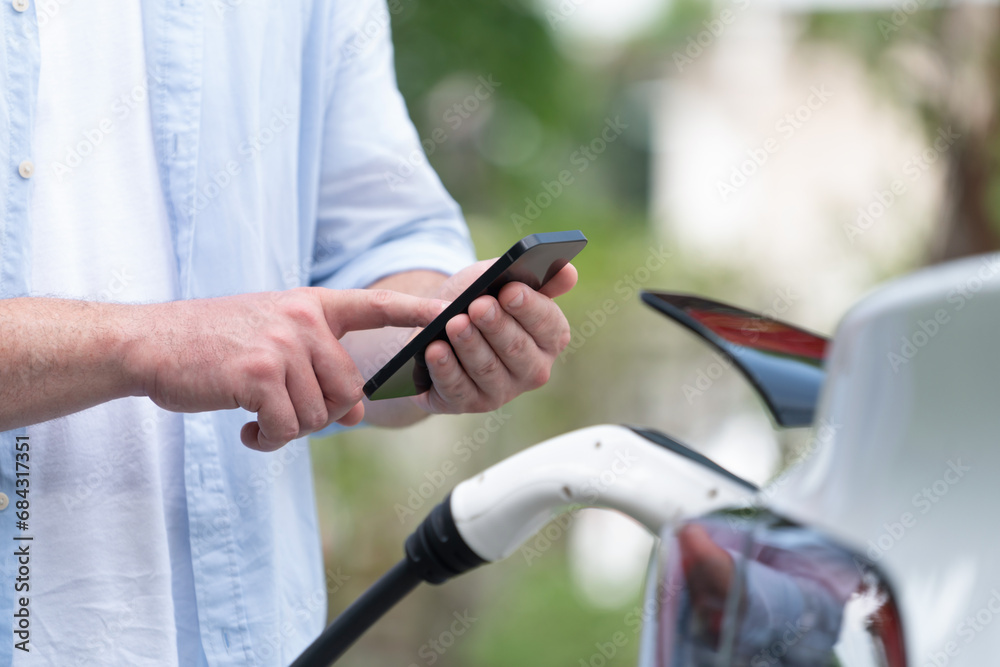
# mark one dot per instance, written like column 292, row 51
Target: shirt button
column 20, row 5
column 26, row 169
column 3, row 501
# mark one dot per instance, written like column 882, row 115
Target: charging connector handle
column 436, row 549
column 646, row 475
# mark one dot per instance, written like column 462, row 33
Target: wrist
column 134, row 342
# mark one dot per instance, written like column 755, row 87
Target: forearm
column 275, row 354
column 59, row 356
column 370, row 349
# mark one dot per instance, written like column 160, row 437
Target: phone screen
column 533, row 260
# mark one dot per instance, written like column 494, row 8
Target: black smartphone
column 533, row 261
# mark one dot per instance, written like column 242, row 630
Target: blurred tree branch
column 945, row 62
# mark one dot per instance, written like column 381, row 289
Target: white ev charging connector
column 641, row 473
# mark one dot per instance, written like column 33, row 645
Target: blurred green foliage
column 544, row 101
column 543, row 601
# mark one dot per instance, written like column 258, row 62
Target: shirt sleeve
column 381, row 208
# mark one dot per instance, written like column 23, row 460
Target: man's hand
column 276, row 354
column 502, row 348
column 497, row 360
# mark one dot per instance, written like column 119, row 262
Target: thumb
column 560, row 283
column 356, row 309
column 353, row 416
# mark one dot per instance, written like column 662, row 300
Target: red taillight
column 887, row 627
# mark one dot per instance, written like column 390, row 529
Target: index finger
column 357, row 309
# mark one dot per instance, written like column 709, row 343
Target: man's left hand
column 502, row 348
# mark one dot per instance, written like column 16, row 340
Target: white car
column 876, row 548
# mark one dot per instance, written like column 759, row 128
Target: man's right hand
column 276, row 354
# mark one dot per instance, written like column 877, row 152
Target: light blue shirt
column 286, row 158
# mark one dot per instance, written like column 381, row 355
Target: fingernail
column 517, row 300
column 465, row 333
column 443, row 360
column 490, row 314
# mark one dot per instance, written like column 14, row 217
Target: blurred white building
column 781, row 157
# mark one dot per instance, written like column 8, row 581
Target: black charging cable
column 435, row 553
